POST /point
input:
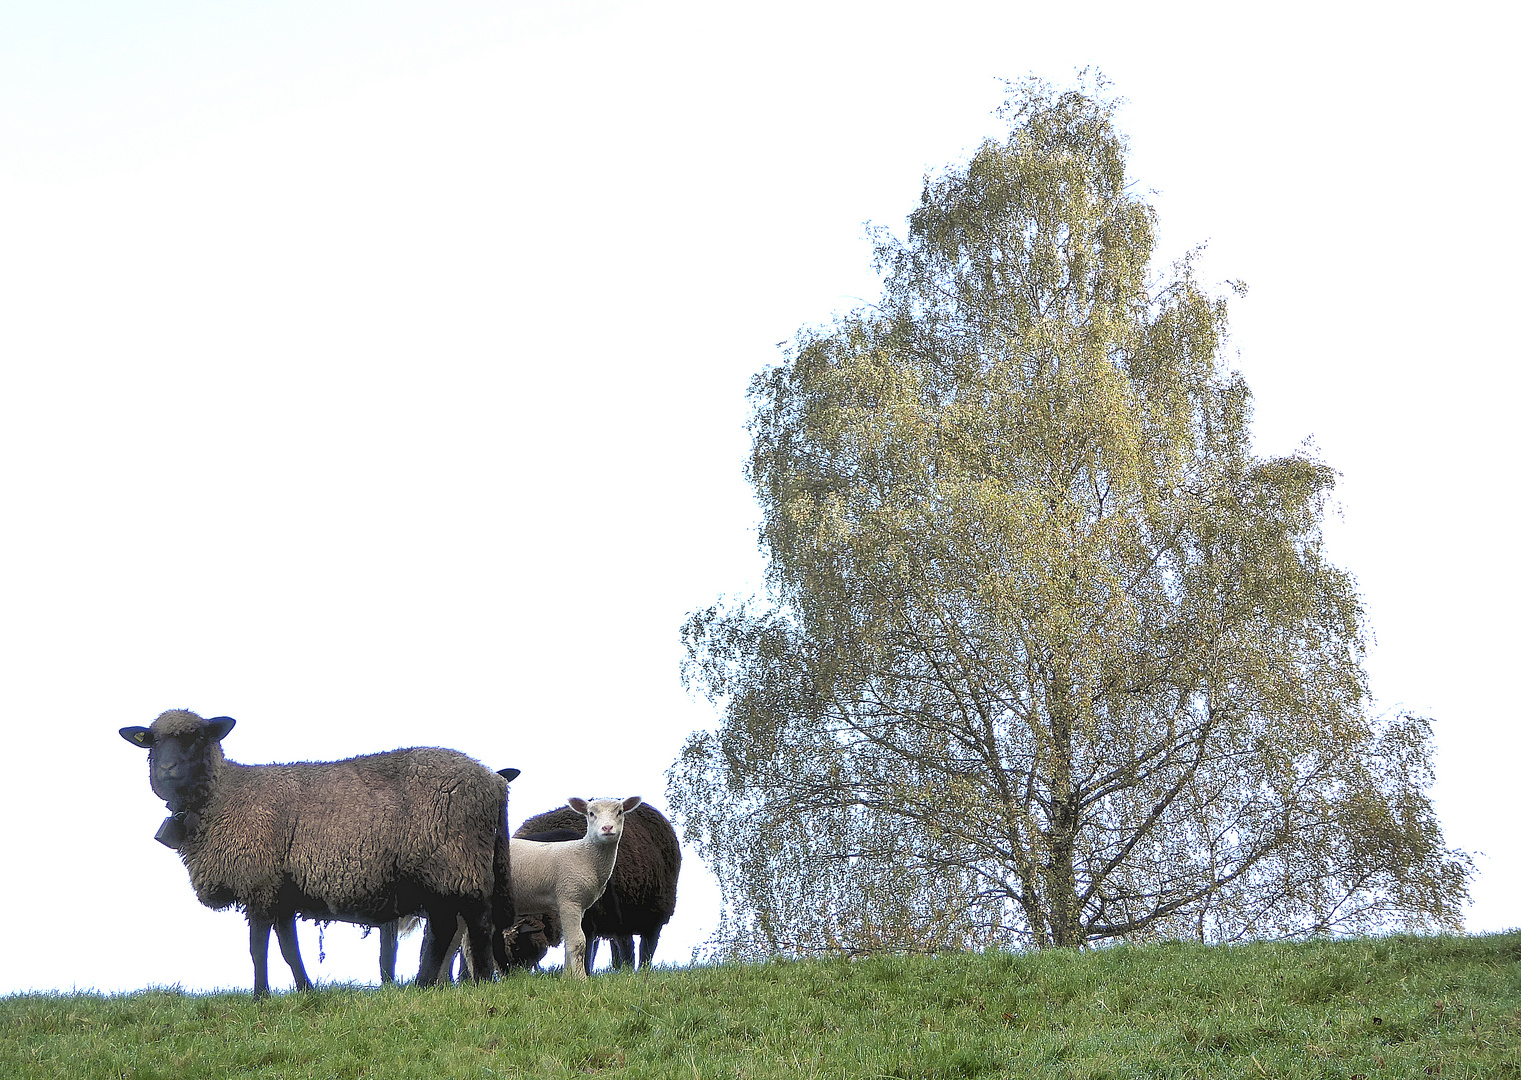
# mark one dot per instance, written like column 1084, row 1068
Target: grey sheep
column 641, row 895
column 362, row 840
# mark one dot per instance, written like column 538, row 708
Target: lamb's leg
column 457, row 962
column 575, row 941
column 592, row 941
column 647, row 943
column 258, row 948
column 388, row 935
column 285, row 930
column 457, row 959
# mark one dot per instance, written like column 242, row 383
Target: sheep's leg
column 623, row 950
column 388, row 936
column 285, row 931
column 478, row 929
column 258, row 948
column 435, row 946
column 592, row 941
column 647, row 943
column 445, row 967
column 575, row 941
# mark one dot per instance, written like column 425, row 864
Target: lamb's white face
column 604, row 817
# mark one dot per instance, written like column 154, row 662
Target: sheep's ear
column 138, row 736
column 220, row 726
column 578, row 805
column 509, row 774
column 631, row 802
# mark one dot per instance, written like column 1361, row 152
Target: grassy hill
column 1386, row 1007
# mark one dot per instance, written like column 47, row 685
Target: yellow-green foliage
column 1394, row 1007
column 1048, row 655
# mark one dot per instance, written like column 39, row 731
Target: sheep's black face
column 183, row 752
column 178, row 766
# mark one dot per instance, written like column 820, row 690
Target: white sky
column 374, row 373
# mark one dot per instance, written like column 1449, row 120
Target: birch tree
column 1047, row 655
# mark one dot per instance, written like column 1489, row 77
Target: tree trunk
column 1061, row 837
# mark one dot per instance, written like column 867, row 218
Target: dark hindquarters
column 476, row 920
column 448, row 926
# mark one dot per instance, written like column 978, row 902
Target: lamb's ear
column 220, row 726
column 138, row 736
column 631, row 802
column 509, row 774
column 578, row 805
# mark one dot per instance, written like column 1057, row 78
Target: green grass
column 1384, row 1007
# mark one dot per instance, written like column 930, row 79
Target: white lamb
column 567, row 877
